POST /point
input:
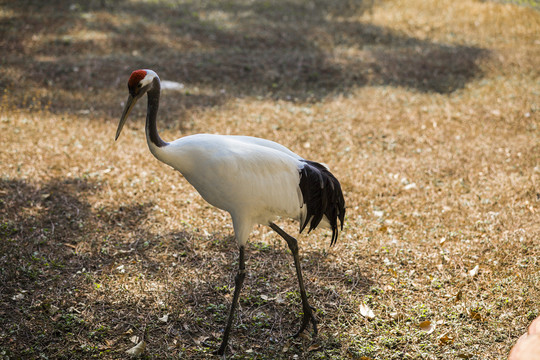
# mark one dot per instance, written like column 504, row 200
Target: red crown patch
column 135, row 77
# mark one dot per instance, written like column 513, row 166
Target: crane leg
column 308, row 310
column 238, row 282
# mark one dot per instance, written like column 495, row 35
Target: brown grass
column 426, row 111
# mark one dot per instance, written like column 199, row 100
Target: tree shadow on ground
column 76, row 56
column 75, row 279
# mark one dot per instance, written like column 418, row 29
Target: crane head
column 139, row 83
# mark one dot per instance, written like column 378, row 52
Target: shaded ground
column 427, row 113
column 64, row 51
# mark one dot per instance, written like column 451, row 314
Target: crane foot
column 219, row 352
column 308, row 317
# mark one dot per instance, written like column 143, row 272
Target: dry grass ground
column 428, row 112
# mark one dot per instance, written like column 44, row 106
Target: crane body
column 255, row 180
column 257, row 183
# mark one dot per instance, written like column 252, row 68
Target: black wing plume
column 323, row 197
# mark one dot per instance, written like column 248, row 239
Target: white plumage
column 255, row 180
column 258, row 180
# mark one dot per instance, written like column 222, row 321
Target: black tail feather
column 323, row 197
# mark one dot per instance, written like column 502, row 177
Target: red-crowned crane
column 255, row 180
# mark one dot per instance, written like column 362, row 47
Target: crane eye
column 139, row 85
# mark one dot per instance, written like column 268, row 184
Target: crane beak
column 130, row 102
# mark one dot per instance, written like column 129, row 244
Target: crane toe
column 308, row 317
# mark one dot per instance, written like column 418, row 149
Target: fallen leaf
column 446, row 340
column 103, row 347
column 201, row 340
column 459, row 296
column 366, row 312
column 18, row 297
column 410, row 186
column 53, row 309
column 138, row 349
column 474, row 271
column 314, row 347
column 134, row 339
column 427, row 326
column 475, row 315
column 73, row 309
column 164, row 318
column 464, row 356
column 286, row 347
column 110, row 343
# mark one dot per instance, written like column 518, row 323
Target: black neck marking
column 151, row 115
